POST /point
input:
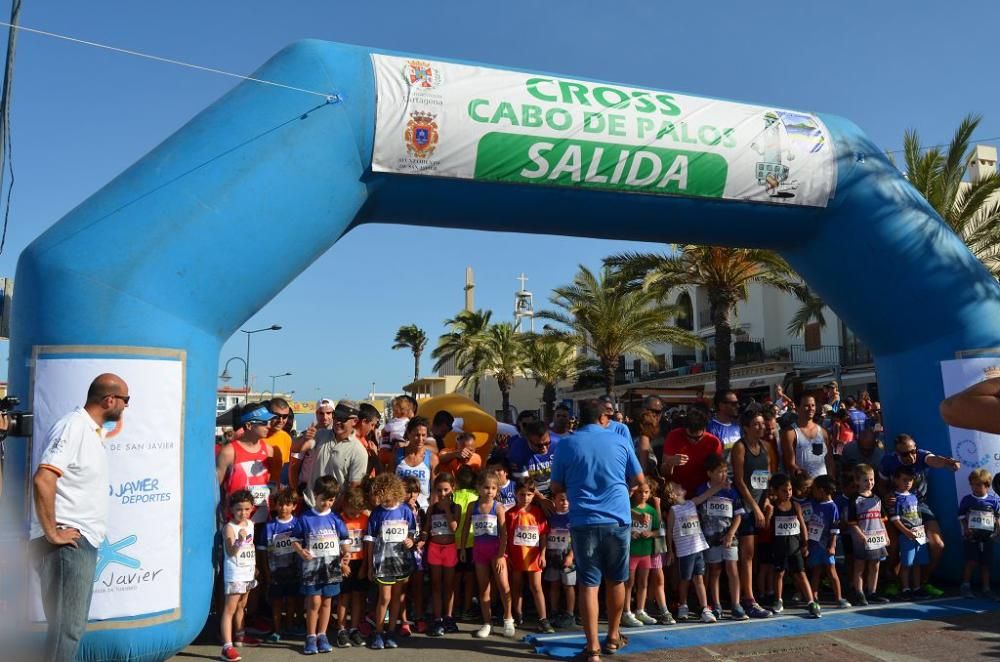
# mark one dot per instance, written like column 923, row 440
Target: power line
column 329, row 96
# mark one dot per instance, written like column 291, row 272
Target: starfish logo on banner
column 421, row 134
column 421, row 74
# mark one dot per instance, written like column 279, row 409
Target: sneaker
column 437, row 629
column 683, row 613
column 259, row 625
column 843, row 604
column 450, row 626
column 905, row 595
column 470, row 615
column 987, row 594
column 377, row 642
column 754, row 610
column 717, row 612
column 518, row 619
column 357, row 639
column 421, row 626
column 343, row 640
column 483, row 632
column 508, row 627
column 738, row 614
column 707, row 616
column 230, row 654
column 545, row 627
column 403, row 630
column 768, row 600
column 390, row 641
column 876, row 599
column 796, row 598
column 645, row 618
column 891, row 590
column 920, row 594
column 563, row 621
column 814, row 610
column 932, row 590
column 273, row 638
column 310, row 647
column 630, row 621
column 859, row 599
column 665, row 617
column 778, row 606
column 249, row 640
column 323, row 644
column 966, row 591
column 366, row 629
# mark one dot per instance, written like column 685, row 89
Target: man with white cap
column 300, row 464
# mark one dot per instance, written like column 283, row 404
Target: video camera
column 20, row 421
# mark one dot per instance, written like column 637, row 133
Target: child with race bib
column 354, row 590
column 909, row 526
column 389, row 545
column 824, row 529
column 322, row 550
column 282, row 563
column 791, row 543
column 686, row 542
column 465, row 572
column 979, row 513
column 485, row 519
column 721, row 517
column 442, row 554
column 867, row 526
column 527, row 534
column 560, row 569
column 645, row 527
column 414, row 589
column 238, row 570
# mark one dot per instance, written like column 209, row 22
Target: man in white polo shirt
column 70, row 515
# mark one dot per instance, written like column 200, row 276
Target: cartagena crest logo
column 421, row 75
column 421, row 134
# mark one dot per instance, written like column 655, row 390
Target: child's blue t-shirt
column 388, row 530
column 323, row 536
column 842, row 500
column 825, row 522
column 505, row 497
column 980, row 515
column 907, row 510
column 559, row 541
column 718, row 512
column 806, row 505
column 281, row 557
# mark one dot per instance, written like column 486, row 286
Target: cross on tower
column 522, row 278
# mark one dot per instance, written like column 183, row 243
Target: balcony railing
column 704, row 318
column 854, row 353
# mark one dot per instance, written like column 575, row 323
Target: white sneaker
column 508, row 627
column 707, row 616
column 644, row 617
column 483, row 632
column 683, row 613
column 630, row 621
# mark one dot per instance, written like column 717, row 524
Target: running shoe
column 518, row 619
column 877, row 599
column 274, row 637
column 932, row 590
column 778, row 606
column 966, row 591
column 403, row 630
column 563, row 621
column 259, row 625
column 421, row 626
column 665, row 617
column 707, row 616
column 343, row 639
column 436, row 630
column 450, row 626
column 470, row 615
column 859, row 599
column 717, row 612
column 545, row 627
column 683, row 613
column 814, row 610
column 843, row 604
column 377, row 642
column 390, row 641
column 508, row 627
column 310, row 647
column 483, row 632
column 905, row 595
column 738, row 614
column 920, row 594
column 242, row 639
column 323, row 644
column 754, row 610
column 891, row 590
column 645, row 618
column 630, row 621
column 357, row 639
column 230, row 654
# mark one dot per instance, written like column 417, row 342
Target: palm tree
column 971, row 209
column 811, row 310
column 610, row 320
column 549, row 360
column 501, row 352
column 725, row 273
column 462, row 344
column 412, row 337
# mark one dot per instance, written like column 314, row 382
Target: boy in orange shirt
column 527, row 536
column 463, row 455
column 354, row 590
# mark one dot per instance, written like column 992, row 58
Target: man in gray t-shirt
column 865, row 450
column 337, row 452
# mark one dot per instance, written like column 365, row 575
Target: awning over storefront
column 846, row 379
column 756, row 381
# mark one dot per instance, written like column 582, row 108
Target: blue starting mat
column 684, row 635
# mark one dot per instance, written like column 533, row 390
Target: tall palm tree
column 462, row 345
column 411, row 337
column 610, row 320
column 501, row 353
column 725, row 273
column 971, row 209
column 549, row 360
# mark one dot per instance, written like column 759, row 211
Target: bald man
column 70, row 515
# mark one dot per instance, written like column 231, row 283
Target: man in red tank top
column 249, row 462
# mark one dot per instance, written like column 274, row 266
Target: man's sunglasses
column 123, row 398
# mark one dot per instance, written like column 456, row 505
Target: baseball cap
column 346, row 409
column 324, row 402
column 259, row 414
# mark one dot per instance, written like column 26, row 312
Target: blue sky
column 82, row 115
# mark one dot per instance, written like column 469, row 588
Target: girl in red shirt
column 527, row 535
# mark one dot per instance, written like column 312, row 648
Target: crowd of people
column 346, row 529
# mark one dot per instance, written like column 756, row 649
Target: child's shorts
column 239, row 588
column 691, row 565
column 557, row 573
column 324, row 590
column 353, row 583
column 519, row 563
column 911, row 554
column 444, row 555
column 656, row 561
column 484, row 552
column 638, row 563
column 283, row 590
column 789, row 562
column 818, row 556
column 862, row 554
column 719, row 554
column 978, row 552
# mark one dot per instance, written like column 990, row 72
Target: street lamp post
column 246, row 364
column 274, row 378
column 225, row 376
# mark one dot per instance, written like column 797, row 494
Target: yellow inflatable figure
column 474, row 420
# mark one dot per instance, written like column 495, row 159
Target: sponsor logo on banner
column 508, row 126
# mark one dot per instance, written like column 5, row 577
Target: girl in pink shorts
column 645, row 527
column 442, row 554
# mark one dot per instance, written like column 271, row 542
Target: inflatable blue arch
column 131, row 279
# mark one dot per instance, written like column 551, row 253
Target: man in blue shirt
column 608, row 419
column 858, row 417
column 531, row 456
column 594, row 467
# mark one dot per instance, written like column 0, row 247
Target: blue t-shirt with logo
column 388, row 530
column 976, row 508
column 825, row 521
column 324, row 536
column 282, row 560
column 526, row 463
column 891, row 462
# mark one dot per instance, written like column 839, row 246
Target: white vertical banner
column 139, row 563
column 973, row 448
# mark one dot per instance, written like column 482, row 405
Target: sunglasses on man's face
column 283, row 417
